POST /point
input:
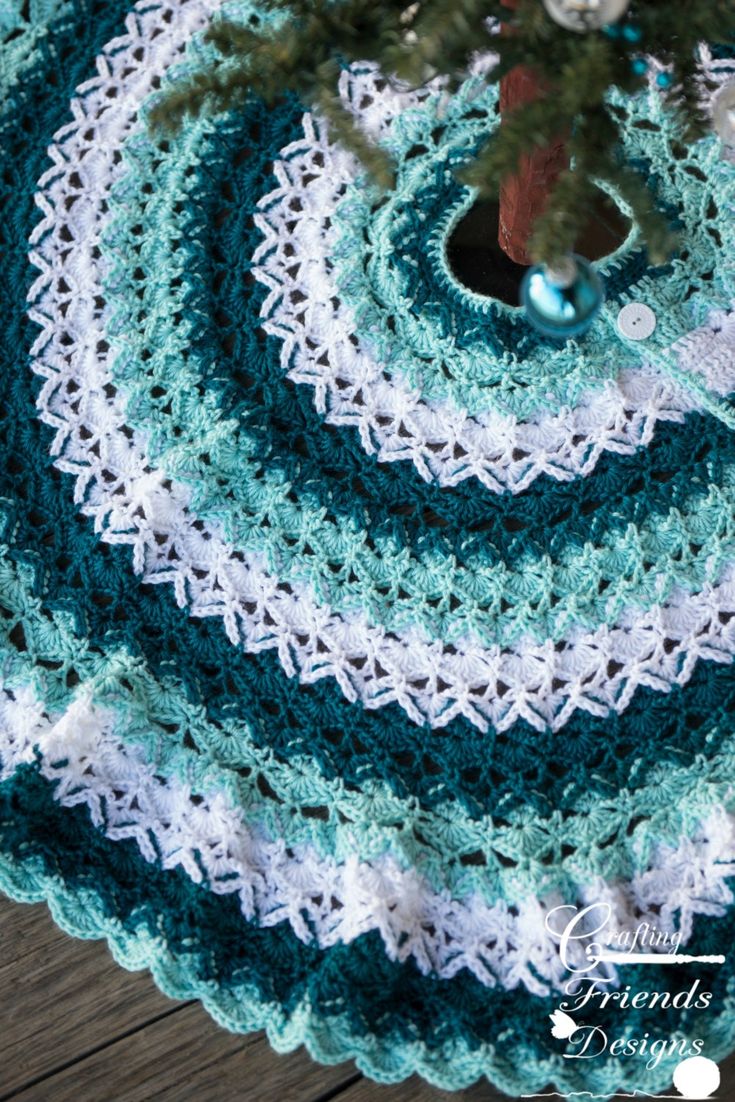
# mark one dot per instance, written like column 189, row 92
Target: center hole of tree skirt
column 479, row 263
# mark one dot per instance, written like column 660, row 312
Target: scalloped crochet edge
column 76, row 914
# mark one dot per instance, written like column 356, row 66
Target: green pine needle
column 310, row 41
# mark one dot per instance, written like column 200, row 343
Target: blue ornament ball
column 562, row 307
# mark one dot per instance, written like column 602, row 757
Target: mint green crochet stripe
column 528, row 376
column 241, row 1007
column 721, row 1037
column 19, row 36
column 539, row 598
column 386, row 732
column 389, row 1056
column 474, row 374
column 674, row 802
column 285, row 413
column 46, row 492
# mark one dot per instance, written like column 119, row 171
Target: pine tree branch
column 304, row 44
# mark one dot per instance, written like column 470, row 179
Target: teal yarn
column 508, row 364
column 320, row 466
column 175, row 696
column 347, row 565
column 383, row 997
column 152, row 716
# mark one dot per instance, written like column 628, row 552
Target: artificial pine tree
column 355, row 635
column 556, row 61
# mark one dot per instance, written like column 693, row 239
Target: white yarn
column 133, row 503
column 83, row 755
column 319, row 345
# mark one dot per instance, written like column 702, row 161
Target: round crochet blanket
column 358, row 642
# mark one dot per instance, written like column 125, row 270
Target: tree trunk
column 523, row 196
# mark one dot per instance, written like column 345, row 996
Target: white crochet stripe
column 133, row 503
column 319, row 345
column 331, row 902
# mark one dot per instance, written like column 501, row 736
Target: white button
column 636, row 321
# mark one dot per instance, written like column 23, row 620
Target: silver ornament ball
column 723, row 113
column 586, row 15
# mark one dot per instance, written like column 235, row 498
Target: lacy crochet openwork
column 348, row 626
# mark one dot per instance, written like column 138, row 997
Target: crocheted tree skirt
column 350, row 627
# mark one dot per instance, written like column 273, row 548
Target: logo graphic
column 697, row 1077
column 563, row 1026
column 589, row 949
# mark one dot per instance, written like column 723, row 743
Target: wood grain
column 60, row 997
column 186, row 1057
column 75, row 1027
column 524, row 195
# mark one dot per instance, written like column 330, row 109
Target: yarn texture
column 348, row 626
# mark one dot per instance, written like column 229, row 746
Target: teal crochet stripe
column 20, row 32
column 596, row 798
column 218, row 665
column 441, row 843
column 254, row 687
column 515, row 862
column 325, row 464
column 102, row 584
column 488, row 352
column 208, row 643
column 354, row 569
column 427, row 230
column 162, row 915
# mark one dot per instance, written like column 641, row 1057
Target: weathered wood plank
column 77, row 1028
column 63, row 999
column 24, row 931
column 187, row 1057
column 75, row 1025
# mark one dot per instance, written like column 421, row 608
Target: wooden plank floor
column 75, row 1027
